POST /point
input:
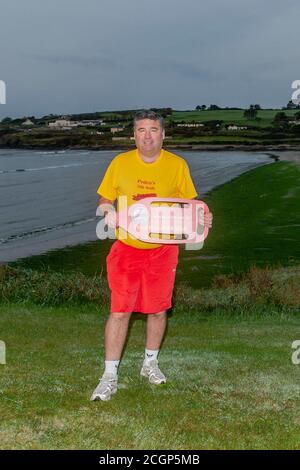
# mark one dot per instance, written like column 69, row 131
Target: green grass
column 231, row 382
column 256, row 222
column 217, row 139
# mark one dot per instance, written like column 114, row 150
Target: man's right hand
column 111, row 219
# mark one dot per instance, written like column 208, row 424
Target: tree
column 291, row 105
column 251, row 112
column 280, row 117
column 297, row 115
column 213, row 107
column 6, row 120
column 201, row 108
column 281, row 120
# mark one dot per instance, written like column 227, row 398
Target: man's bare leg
column 116, row 330
column 156, row 327
column 115, row 336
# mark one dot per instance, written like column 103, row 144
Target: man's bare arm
column 105, row 205
column 106, row 208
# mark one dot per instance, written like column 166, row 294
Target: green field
column 265, row 116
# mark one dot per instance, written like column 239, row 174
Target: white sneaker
column 107, row 386
column 153, row 372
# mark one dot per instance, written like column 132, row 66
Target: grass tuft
column 51, row 288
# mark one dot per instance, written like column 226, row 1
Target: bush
column 259, row 286
column 51, row 288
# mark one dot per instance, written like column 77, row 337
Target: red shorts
column 141, row 280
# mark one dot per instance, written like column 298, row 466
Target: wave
column 41, row 230
column 51, row 152
column 51, row 167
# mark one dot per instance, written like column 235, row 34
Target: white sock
column 150, row 355
column 111, row 367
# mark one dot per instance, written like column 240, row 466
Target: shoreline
column 278, row 152
column 202, row 147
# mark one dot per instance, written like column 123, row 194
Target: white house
column 234, row 127
column 61, row 123
column 28, row 122
column 190, row 124
column 113, row 130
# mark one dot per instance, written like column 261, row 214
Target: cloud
column 76, row 60
column 64, row 56
column 184, row 68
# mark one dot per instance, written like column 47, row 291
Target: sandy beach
column 288, row 155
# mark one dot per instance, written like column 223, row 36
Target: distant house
column 93, row 123
column 97, row 133
column 28, row 122
column 234, row 127
column 114, row 139
column 190, row 124
column 295, row 123
column 113, row 130
column 62, row 124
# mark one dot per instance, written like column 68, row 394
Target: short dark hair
column 148, row 114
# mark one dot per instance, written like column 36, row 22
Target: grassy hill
column 260, row 131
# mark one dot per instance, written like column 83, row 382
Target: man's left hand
column 208, row 219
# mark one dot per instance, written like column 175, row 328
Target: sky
column 70, row 56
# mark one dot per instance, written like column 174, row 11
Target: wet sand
column 287, row 155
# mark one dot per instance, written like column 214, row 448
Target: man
column 140, row 275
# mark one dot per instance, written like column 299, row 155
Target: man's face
column 149, row 137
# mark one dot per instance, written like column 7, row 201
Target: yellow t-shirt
column 128, row 175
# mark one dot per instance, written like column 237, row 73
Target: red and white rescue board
column 165, row 220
